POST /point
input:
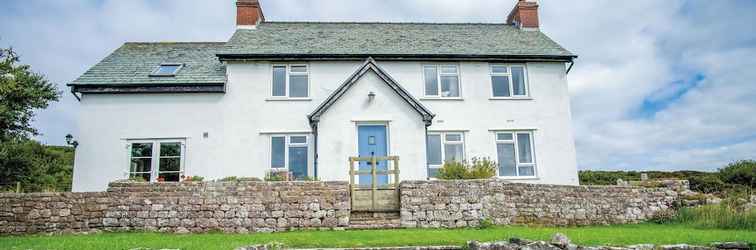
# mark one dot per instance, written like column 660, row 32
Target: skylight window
column 167, row 69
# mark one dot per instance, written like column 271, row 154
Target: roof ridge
column 378, row 22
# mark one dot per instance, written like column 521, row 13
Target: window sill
column 275, row 99
column 510, row 98
column 517, row 177
column 442, row 99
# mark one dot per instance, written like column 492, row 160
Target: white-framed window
column 515, row 153
column 290, row 81
column 157, row 159
column 290, row 152
column 441, row 81
column 443, row 147
column 508, row 81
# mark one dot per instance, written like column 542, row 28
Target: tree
column 21, row 93
column 741, row 172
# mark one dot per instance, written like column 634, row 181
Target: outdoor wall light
column 371, row 96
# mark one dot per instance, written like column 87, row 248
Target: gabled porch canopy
column 368, row 65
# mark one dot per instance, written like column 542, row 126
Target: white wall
column 239, row 122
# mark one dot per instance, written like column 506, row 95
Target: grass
column 716, row 216
column 593, row 235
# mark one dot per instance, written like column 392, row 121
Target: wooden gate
column 373, row 196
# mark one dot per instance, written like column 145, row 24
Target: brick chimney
column 248, row 14
column 524, row 15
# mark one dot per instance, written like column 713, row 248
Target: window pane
column 453, row 152
column 453, row 137
column 448, row 69
column 450, row 86
column 170, row 149
column 169, row 176
column 141, row 165
column 432, row 172
column 145, row 176
column 298, row 86
column 278, row 147
column 500, row 85
column 298, row 161
column 527, row 171
column 505, row 154
column 141, row 149
column 518, row 80
column 170, row 164
column 498, row 69
column 504, row 136
column 434, row 150
column 167, row 69
column 279, row 81
column 298, row 69
column 523, row 146
column 431, row 81
column 298, row 139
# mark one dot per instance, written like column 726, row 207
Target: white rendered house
column 306, row 96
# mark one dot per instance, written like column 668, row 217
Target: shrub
column 274, row 176
column 481, row 168
column 452, row 170
column 486, row 223
column 229, row 178
column 136, row 179
column 310, row 178
column 194, row 178
column 706, row 184
column 663, row 217
column 249, row 179
column 740, row 172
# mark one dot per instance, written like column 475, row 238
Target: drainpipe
column 315, row 145
column 572, row 62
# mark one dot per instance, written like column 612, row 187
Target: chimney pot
column 524, row 15
column 248, row 13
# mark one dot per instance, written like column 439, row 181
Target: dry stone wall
column 181, row 207
column 466, row 203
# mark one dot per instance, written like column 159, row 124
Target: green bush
column 452, row 170
column 740, row 172
column 273, row 176
column 479, row 168
column 36, row 167
column 229, row 178
column 706, row 184
column 136, row 179
column 194, row 178
column 486, row 223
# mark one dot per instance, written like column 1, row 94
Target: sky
column 658, row 85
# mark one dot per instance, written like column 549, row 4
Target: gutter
column 393, row 57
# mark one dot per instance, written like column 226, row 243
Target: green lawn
column 594, row 235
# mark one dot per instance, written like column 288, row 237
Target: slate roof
column 132, row 64
column 426, row 39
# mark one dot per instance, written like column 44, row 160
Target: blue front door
column 372, row 142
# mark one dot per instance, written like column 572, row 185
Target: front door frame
column 357, row 140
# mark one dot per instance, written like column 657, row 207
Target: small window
column 514, row 152
column 508, row 81
column 443, row 147
column 291, row 81
column 290, row 152
column 441, row 81
column 167, row 69
column 157, row 160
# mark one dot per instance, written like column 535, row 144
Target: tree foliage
column 21, row 93
column 740, row 172
column 35, row 166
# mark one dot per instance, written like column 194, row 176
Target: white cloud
column 629, row 51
